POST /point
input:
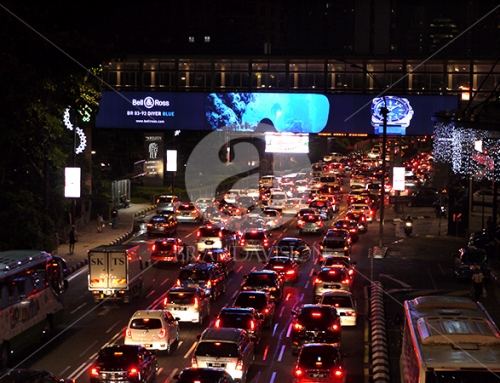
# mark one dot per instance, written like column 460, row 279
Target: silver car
column 331, row 278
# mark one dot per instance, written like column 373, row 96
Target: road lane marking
column 281, row 311
column 190, row 350
column 234, row 295
column 174, row 371
column 239, row 269
column 111, row 328
column 179, row 344
column 285, row 230
column 440, row 268
column 306, row 285
column 88, row 348
column 257, row 376
column 165, row 281
column 78, row 308
column 275, row 328
column 289, row 331
column 301, row 297
column 311, row 272
column 287, row 297
column 151, row 293
column 189, row 235
column 273, row 377
column 281, row 353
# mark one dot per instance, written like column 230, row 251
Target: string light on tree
column 79, row 132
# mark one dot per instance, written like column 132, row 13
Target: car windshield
column 331, row 276
column 180, row 298
column 194, row 275
column 145, row 323
column 218, row 349
column 336, row 301
column 275, row 197
column 313, row 357
column 257, row 301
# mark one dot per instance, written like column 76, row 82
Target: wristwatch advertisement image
column 399, row 114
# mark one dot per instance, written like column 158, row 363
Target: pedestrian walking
column 114, row 217
column 73, row 238
column 100, row 223
column 477, row 283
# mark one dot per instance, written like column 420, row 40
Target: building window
column 207, row 39
column 191, row 39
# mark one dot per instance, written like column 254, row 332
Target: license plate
column 209, row 242
column 332, row 286
column 317, row 375
column 217, row 364
column 193, row 285
column 185, row 214
column 180, row 308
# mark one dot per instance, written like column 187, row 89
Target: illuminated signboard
column 398, row 178
column 153, row 166
column 171, row 160
column 287, row 143
column 72, row 182
column 350, row 114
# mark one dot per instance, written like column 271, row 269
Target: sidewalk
column 89, row 238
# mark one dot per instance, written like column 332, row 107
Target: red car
column 285, row 266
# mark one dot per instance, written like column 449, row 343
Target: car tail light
column 350, row 313
column 194, row 362
column 165, row 301
column 300, row 222
column 193, row 211
column 242, row 242
column 338, row 373
column 252, row 325
column 208, row 284
column 94, row 371
column 195, row 303
column 175, row 247
column 298, row 372
column 266, row 243
column 198, row 234
column 133, row 371
column 353, row 230
column 265, row 311
column 162, row 333
column 220, row 234
column 217, row 323
column 346, row 281
column 317, row 281
column 128, row 333
column 335, row 327
column 178, row 283
column 239, row 364
column 350, row 272
column 297, row 326
column 153, row 248
column 290, row 272
column 319, row 223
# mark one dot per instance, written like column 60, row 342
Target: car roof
column 199, row 266
column 148, row 314
column 238, row 310
column 184, row 290
column 169, row 240
column 19, row 375
column 290, row 239
column 338, row 293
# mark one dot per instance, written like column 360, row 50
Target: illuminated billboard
column 272, row 112
column 287, row 143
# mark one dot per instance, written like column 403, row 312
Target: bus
column 32, row 285
column 448, row 339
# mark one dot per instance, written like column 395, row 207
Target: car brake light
column 335, row 327
column 239, row 364
column 338, row 373
column 128, row 333
column 178, row 283
column 162, row 333
column 316, row 315
column 298, row 372
column 195, row 303
column 175, row 247
column 194, row 362
column 290, row 272
column 350, row 313
column 242, row 242
column 208, row 284
column 198, row 234
column 346, row 281
column 300, row 223
column 133, row 371
column 317, row 280
column 350, row 272
column 94, row 371
column 319, row 223
column 153, row 248
column 252, row 325
column 297, row 326
column 265, row 311
column 220, row 234
column 165, row 301
column 217, row 323
column 346, row 248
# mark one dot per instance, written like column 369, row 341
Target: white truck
column 115, row 272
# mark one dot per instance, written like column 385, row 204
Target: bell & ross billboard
column 153, row 166
column 272, row 112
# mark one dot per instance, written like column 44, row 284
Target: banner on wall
column 272, row 112
column 153, row 166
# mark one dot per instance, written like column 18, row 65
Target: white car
column 203, row 203
column 253, row 193
column 333, row 157
column 363, row 208
column 301, row 185
column 188, row 304
column 277, row 200
column 345, row 304
column 153, row 330
column 293, row 205
column 273, row 219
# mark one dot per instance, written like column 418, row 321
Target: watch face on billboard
column 398, row 115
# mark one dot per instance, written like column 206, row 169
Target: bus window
column 5, row 297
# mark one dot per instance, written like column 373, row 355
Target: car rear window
column 315, row 316
column 145, row 323
column 186, row 207
column 205, row 232
column 180, row 298
column 260, row 279
column 474, row 257
column 318, row 204
column 117, row 357
column 158, row 219
column 194, row 275
column 312, row 218
column 336, row 301
column 314, row 358
column 254, row 235
column 334, row 243
column 331, row 276
column 161, row 246
column 235, row 320
column 288, row 244
column 257, row 301
column 217, row 349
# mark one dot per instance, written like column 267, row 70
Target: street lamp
column 384, row 111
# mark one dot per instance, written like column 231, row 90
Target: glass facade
column 470, row 79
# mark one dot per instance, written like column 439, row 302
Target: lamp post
column 384, row 111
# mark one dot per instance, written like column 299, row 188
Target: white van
column 277, row 200
column 230, row 349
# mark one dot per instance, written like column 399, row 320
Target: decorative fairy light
column 81, row 134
